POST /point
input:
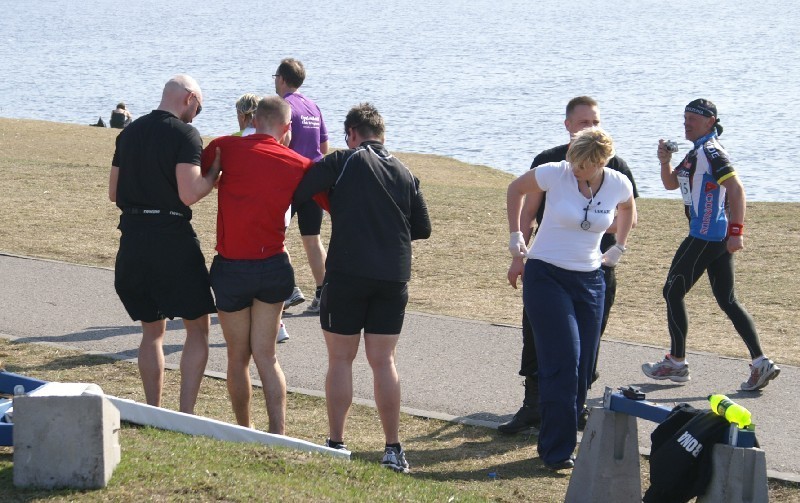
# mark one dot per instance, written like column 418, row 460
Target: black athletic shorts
column 162, row 275
column 237, row 282
column 349, row 304
column 309, row 217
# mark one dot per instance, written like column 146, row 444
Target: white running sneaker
column 666, row 369
column 295, row 298
column 761, row 375
column 283, row 335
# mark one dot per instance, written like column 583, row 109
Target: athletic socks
column 676, row 363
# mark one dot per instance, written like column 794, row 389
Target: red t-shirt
column 259, row 177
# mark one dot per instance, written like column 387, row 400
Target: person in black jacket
column 376, row 210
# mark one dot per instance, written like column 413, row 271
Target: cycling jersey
column 700, row 176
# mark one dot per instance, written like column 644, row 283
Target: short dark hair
column 365, row 119
column 292, row 72
column 274, row 111
column 580, row 100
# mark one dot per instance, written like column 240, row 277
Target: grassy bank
column 54, row 205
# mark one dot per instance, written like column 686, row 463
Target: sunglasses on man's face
column 199, row 106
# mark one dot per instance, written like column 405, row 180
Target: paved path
column 450, row 368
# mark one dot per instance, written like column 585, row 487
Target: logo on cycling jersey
column 708, row 210
column 711, row 186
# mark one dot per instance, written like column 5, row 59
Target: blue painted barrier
column 8, row 381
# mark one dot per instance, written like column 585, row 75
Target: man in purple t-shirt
column 309, row 139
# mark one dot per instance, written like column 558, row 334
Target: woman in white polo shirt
column 563, row 286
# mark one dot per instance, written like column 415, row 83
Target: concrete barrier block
column 607, row 467
column 738, row 476
column 65, row 441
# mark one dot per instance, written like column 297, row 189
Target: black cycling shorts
column 162, row 275
column 309, row 217
column 237, row 282
column 349, row 304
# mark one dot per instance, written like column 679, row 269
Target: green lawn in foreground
column 450, row 462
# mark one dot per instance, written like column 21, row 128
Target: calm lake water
column 482, row 81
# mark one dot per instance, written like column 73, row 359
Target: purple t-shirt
column 308, row 128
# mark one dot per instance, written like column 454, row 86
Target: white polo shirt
column 560, row 240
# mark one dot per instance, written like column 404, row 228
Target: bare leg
column 151, row 360
column 380, row 351
column 193, row 361
column 265, row 319
column 236, row 329
column 316, row 257
column 342, row 350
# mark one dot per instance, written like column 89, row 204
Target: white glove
column 612, row 255
column 516, row 245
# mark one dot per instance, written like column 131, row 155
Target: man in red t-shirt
column 251, row 275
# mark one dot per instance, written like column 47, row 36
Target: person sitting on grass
column 120, row 117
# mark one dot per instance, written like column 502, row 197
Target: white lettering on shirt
column 309, row 121
column 691, row 444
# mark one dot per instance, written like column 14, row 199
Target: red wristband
column 735, row 229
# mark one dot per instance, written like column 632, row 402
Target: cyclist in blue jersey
column 714, row 201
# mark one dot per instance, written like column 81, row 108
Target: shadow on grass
column 67, row 362
column 483, row 416
column 62, row 363
column 475, row 453
column 480, row 461
column 101, row 333
column 9, row 493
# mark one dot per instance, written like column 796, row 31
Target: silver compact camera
column 671, row 146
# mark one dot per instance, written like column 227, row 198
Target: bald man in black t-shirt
column 160, row 271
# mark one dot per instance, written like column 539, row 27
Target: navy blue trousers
column 565, row 309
